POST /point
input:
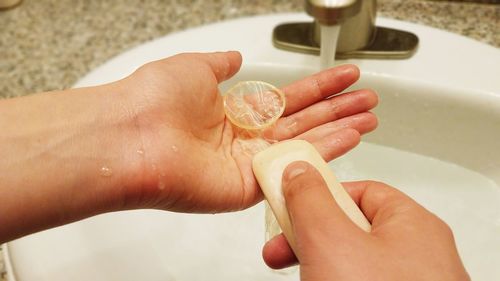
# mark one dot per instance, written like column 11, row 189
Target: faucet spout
column 359, row 37
column 332, row 12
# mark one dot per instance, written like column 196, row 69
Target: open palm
column 192, row 159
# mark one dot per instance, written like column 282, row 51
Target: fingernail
column 348, row 69
column 294, row 170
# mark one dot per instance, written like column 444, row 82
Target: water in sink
column 227, row 246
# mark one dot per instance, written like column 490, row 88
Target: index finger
column 377, row 199
column 305, row 92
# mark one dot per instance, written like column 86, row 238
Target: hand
column 192, row 162
column 156, row 139
column 407, row 242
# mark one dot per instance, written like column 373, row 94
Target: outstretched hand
column 191, row 161
column 156, row 139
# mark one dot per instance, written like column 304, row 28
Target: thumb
column 314, row 213
column 224, row 64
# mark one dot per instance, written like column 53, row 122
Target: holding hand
column 407, row 242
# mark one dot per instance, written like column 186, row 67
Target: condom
column 254, row 105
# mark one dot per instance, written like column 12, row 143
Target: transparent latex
column 254, row 107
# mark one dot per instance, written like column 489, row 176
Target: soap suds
column 252, row 146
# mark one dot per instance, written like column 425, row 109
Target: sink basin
column 438, row 141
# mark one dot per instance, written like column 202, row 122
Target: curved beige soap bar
column 268, row 167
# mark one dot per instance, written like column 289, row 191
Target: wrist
column 66, row 156
column 109, row 149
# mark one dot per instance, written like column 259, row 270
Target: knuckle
column 373, row 184
column 316, row 88
column 150, row 70
column 442, row 226
column 334, row 107
column 146, row 68
column 381, row 191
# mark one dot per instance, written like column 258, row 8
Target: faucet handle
column 331, row 12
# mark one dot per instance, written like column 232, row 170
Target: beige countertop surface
column 49, row 44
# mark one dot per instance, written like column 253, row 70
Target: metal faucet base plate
column 387, row 43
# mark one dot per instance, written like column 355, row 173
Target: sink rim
column 256, row 47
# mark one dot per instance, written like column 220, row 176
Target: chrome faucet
column 359, row 37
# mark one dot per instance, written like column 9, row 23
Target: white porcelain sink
column 438, row 141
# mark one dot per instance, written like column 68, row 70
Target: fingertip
column 268, row 257
column 235, row 60
column 355, row 69
column 311, row 206
column 277, row 253
column 224, row 64
column 236, row 55
column 349, row 70
column 298, row 176
column 372, row 121
column 374, row 97
column 365, row 122
column 370, row 97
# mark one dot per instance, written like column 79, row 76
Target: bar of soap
column 268, row 167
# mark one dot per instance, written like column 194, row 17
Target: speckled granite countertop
column 49, row 44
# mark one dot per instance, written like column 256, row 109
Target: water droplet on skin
column 292, row 125
column 140, row 151
column 106, row 171
column 175, row 148
column 253, row 146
